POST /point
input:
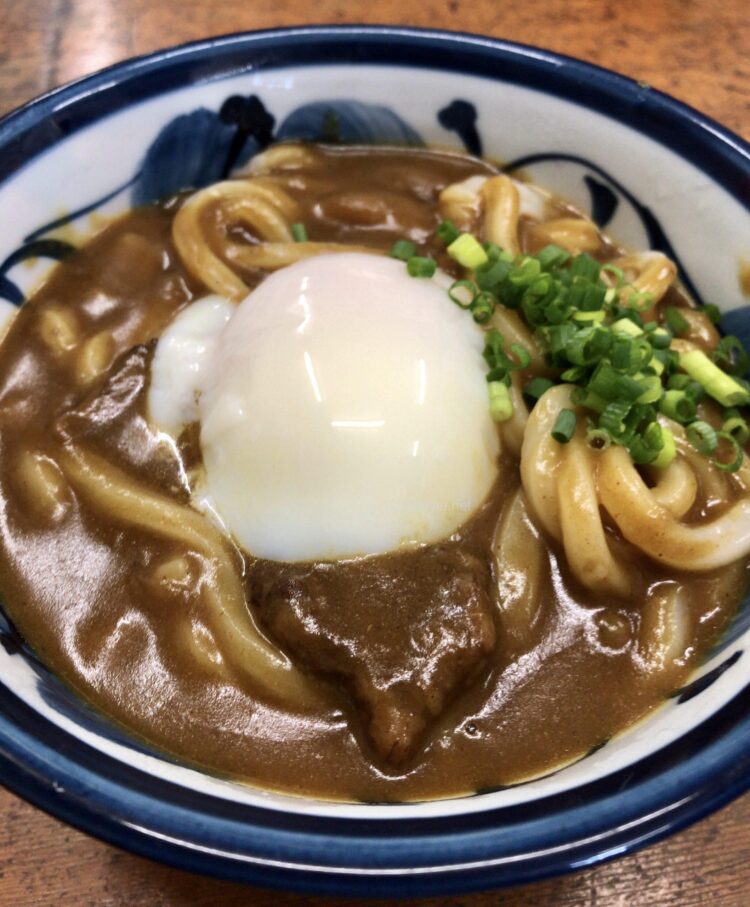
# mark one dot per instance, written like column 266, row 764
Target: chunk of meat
column 403, row 632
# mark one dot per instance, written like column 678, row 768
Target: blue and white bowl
column 653, row 172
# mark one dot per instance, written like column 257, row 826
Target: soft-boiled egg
column 342, row 406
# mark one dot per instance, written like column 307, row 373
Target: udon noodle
column 594, row 583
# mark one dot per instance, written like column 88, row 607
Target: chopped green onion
column 582, row 396
column 583, row 265
column 627, row 326
column 489, row 275
column 494, row 349
column 736, row 426
column 299, row 234
column 575, row 374
column 483, row 307
column 552, row 256
column 463, row 293
column 731, row 355
column 421, row 266
column 611, row 385
column 623, row 370
column 467, row 251
column 702, row 436
column 523, row 356
column 713, row 312
column 668, row 451
column 528, row 272
column 612, row 420
column 537, row 387
column 652, row 390
column 589, row 345
column 659, row 338
column 678, row 382
column 448, row 232
column 616, row 272
column 598, row 316
column 403, row 250
column 678, row 405
column 620, row 356
column 718, row 384
column 501, row 406
column 564, row 426
column 646, row 447
column 641, row 301
column 656, row 363
column 675, row 321
column 495, row 253
column 598, row 438
column 695, row 390
column 729, row 465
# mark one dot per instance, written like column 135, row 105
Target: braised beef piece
column 404, row 633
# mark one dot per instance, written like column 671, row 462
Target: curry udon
column 584, row 587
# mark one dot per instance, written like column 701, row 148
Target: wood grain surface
column 699, row 51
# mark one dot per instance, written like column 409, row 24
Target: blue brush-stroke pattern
column 460, row 116
column 56, row 249
column 697, row 686
column 737, row 321
column 347, row 121
column 80, row 212
column 657, row 238
column 9, row 291
column 190, row 152
column 604, row 202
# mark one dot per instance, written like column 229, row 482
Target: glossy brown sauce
column 80, row 587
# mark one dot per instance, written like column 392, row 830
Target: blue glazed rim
column 389, row 857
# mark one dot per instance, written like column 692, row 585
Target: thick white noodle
column 650, row 526
column 665, row 629
column 520, row 572
column 242, row 644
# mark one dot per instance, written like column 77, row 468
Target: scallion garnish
column 501, row 406
column 702, row 436
column 463, row 293
column 299, row 233
column 467, row 251
column 448, row 232
column 713, row 380
column 565, row 425
column 737, row 453
column 403, row 249
column 731, row 355
column 676, row 323
column 594, row 336
column 735, row 425
column 421, row 266
column 598, row 438
column 668, row 451
column 678, row 405
column 535, row 388
column 483, row 306
column 523, row 356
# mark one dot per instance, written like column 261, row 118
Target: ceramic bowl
column 653, row 172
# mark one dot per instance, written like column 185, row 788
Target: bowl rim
column 389, row 857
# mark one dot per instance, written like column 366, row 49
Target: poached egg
column 342, row 405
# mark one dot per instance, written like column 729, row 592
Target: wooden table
column 698, row 50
